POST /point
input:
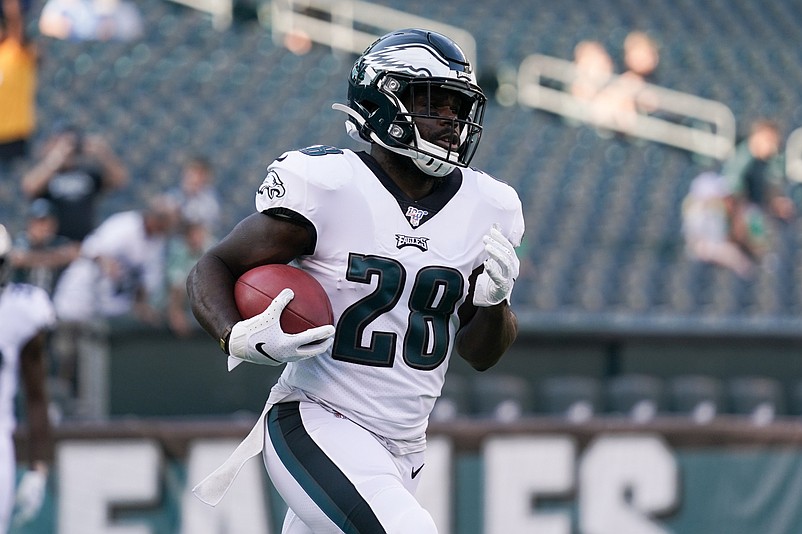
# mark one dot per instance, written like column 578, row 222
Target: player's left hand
column 494, row 284
column 30, row 496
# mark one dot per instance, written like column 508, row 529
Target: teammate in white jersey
column 416, row 252
column 26, row 314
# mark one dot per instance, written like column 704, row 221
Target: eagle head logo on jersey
column 272, row 186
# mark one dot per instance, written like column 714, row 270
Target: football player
column 416, row 251
column 26, row 314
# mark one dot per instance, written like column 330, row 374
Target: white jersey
column 396, row 272
column 25, row 310
column 83, row 293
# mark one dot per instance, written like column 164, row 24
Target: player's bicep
column 260, row 239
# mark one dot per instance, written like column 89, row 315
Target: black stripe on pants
column 317, row 474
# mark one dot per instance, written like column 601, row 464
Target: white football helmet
column 402, row 64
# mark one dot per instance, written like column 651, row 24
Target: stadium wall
column 156, row 374
column 537, row 475
column 177, row 414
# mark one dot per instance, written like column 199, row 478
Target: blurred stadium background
column 612, row 313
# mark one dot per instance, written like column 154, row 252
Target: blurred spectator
column 18, row 65
column 641, row 56
column 755, row 174
column 706, row 222
column 183, row 253
column 25, row 6
column 628, row 95
column 73, row 172
column 594, row 70
column 120, row 268
column 91, row 20
column 40, row 253
column 196, row 195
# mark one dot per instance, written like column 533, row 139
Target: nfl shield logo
column 415, row 215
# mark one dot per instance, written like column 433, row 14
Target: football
column 256, row 289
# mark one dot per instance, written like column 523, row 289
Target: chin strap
column 427, row 164
column 430, row 165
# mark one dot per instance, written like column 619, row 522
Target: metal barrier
column 793, row 156
column 679, row 119
column 220, row 10
column 351, row 25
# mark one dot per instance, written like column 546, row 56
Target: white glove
column 30, row 496
column 261, row 340
column 494, row 284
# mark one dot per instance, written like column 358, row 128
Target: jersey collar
column 419, row 211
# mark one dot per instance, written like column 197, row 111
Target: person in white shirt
column 119, row 270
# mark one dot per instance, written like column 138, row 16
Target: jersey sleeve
column 299, row 184
column 517, row 226
column 285, row 188
column 504, row 200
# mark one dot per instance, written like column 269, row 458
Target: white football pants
column 336, row 477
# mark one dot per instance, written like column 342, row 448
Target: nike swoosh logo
column 261, row 351
column 416, row 471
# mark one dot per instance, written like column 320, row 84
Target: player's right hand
column 261, row 340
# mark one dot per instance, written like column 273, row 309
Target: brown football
column 256, row 289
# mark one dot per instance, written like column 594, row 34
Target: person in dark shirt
column 40, row 252
column 73, row 173
column 755, row 173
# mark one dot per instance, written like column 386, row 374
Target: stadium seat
column 758, row 397
column 639, row 397
column 243, row 98
column 700, row 397
column 573, row 397
column 795, row 406
column 502, row 397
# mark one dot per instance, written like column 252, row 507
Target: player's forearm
column 39, row 439
column 487, row 336
column 34, row 376
column 210, row 287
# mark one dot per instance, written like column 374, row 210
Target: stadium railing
column 222, row 11
column 682, row 120
column 352, row 25
column 793, row 156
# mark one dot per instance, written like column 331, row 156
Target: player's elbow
column 484, row 363
column 480, row 358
